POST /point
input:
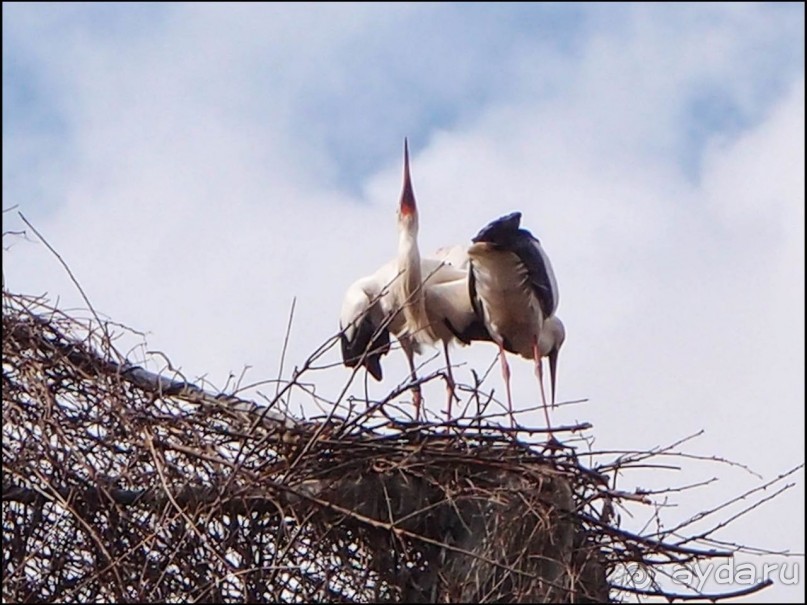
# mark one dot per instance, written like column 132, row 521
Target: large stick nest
column 124, row 485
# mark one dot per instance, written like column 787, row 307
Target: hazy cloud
column 199, row 166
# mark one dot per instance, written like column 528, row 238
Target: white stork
column 420, row 301
column 513, row 289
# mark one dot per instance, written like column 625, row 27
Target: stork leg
column 451, row 386
column 417, row 398
column 539, row 373
column 506, row 377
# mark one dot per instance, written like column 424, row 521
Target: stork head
column 500, row 231
column 407, row 209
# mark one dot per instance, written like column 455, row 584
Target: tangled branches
column 123, row 485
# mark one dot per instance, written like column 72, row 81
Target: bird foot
column 417, row 400
column 451, row 397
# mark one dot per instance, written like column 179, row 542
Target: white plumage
column 420, row 301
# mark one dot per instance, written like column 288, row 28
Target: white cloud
column 200, row 191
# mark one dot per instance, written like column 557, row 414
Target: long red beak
column 408, row 206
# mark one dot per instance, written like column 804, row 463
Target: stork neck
column 410, row 285
column 409, row 261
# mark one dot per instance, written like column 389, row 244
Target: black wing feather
column 476, row 330
column 370, row 338
column 526, row 250
column 505, row 234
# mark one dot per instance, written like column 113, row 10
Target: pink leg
column 506, row 376
column 417, row 398
column 451, row 385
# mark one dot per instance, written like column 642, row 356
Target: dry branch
column 120, row 484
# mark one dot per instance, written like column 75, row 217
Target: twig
column 69, row 273
column 285, row 344
column 720, row 596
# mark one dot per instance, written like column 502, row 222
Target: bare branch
column 121, row 484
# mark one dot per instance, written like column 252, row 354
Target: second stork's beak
column 553, row 368
column 407, row 206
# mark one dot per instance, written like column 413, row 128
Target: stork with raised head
column 420, row 301
column 514, row 291
column 409, row 287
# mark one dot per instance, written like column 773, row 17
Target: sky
column 200, row 167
